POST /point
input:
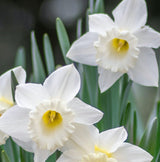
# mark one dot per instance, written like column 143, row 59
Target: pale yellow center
column 120, row 45
column 97, row 149
column 51, row 119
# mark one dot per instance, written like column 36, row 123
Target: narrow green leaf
column 20, row 59
column 91, row 81
column 4, row 156
column 125, row 96
column 157, row 151
column 148, row 141
column 52, row 158
column 79, row 28
column 38, row 69
column 99, row 6
column 49, row 59
column 63, row 39
column 134, row 127
column 91, row 6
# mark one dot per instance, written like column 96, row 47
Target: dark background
column 19, row 17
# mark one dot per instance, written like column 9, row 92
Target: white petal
column 148, row 37
column 28, row 146
column 111, row 139
column 128, row 152
column 100, row 23
column 84, row 139
column 65, row 158
column 20, row 74
column 14, row 122
column 5, row 82
column 30, row 95
column 84, row 113
column 130, row 14
column 64, row 83
column 83, row 50
column 41, row 155
column 145, row 71
column 107, row 78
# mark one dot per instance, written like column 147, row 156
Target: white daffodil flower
column 6, row 97
column 46, row 115
column 88, row 145
column 120, row 46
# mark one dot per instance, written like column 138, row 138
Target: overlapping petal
column 30, row 95
column 130, row 14
column 64, row 83
column 83, row 51
column 146, row 68
column 5, row 82
column 100, row 23
column 14, row 122
column 112, row 139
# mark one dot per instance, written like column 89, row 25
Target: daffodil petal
column 30, row 95
column 128, row 152
column 20, row 74
column 111, row 139
column 107, row 78
column 28, row 146
column 145, row 71
column 14, row 122
column 5, row 82
column 83, row 50
column 130, row 14
column 84, row 113
column 148, row 37
column 100, row 23
column 85, row 138
column 64, row 83
column 68, row 156
column 41, row 155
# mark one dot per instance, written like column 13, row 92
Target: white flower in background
column 45, row 115
column 6, row 97
column 88, row 145
column 120, row 46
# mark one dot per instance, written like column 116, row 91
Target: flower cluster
column 43, row 118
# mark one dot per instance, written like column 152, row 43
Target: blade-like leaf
column 63, row 39
column 38, row 69
column 49, row 59
column 4, row 156
column 99, row 6
column 20, row 59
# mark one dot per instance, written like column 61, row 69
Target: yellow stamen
column 52, row 119
column 120, row 45
column 6, row 101
column 97, row 149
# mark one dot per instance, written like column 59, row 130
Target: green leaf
column 38, row 69
column 48, row 54
column 4, row 156
column 14, row 83
column 79, row 28
column 134, row 127
column 99, row 6
column 148, row 141
column 20, row 59
column 63, row 39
